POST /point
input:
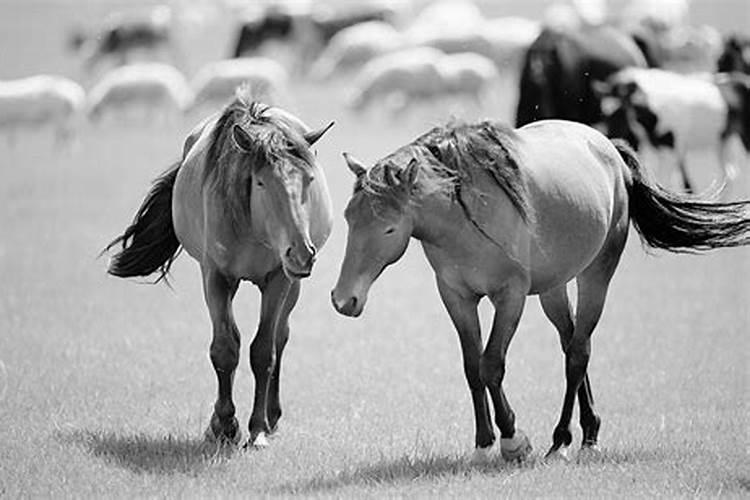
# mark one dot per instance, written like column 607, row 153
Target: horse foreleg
column 556, row 306
column 509, row 304
column 263, row 354
column 219, row 291
column 282, row 335
column 462, row 309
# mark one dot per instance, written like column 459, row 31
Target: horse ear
column 354, row 165
column 313, row 136
column 389, row 177
column 242, row 139
column 409, row 174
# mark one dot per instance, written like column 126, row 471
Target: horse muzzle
column 348, row 306
column 298, row 264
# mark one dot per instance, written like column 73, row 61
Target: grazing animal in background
column 560, row 66
column 249, row 203
column 735, row 56
column 680, row 112
column 506, row 213
column 147, row 88
column 353, row 47
column 409, row 75
column 38, row 101
column 273, row 24
column 467, row 75
column 121, row 36
column 216, row 83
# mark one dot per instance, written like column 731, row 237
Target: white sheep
column 406, row 75
column 467, row 75
column 354, row 46
column 148, row 88
column 215, row 83
column 42, row 100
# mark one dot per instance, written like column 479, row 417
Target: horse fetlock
column 590, row 426
column 561, row 437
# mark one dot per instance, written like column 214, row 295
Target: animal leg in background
column 463, row 312
column 225, row 351
column 263, row 353
column 509, row 303
column 282, row 335
column 683, row 171
column 556, row 306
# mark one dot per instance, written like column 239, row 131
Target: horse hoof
column 516, row 448
column 259, row 442
column 481, row 456
column 589, row 454
column 222, row 438
column 560, row 455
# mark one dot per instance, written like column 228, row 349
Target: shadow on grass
column 409, row 468
column 403, row 469
column 142, row 453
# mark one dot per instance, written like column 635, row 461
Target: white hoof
column 481, row 456
column 516, row 448
column 260, row 441
column 589, row 454
column 561, row 455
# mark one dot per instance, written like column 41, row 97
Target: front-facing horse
column 509, row 213
column 248, row 202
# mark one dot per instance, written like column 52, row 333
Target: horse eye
column 390, row 230
column 259, row 183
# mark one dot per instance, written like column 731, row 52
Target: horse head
column 281, row 179
column 380, row 224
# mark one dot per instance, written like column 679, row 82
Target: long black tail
column 149, row 244
column 681, row 223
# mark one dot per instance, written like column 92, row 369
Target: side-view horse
column 248, row 202
column 507, row 213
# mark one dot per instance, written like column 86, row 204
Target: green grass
column 108, row 386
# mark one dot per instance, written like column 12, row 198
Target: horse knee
column 491, row 372
column 224, row 353
column 262, row 357
column 577, row 358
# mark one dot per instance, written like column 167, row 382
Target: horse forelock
column 275, row 144
column 448, row 159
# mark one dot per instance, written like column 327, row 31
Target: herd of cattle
column 673, row 86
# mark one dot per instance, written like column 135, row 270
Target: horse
column 506, row 213
column 560, row 66
column 248, row 202
column 679, row 112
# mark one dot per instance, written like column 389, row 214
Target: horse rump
column 149, row 244
column 679, row 222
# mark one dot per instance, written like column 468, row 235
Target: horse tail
column 677, row 222
column 149, row 244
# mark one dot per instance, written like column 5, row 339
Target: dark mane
column 450, row 158
column 229, row 170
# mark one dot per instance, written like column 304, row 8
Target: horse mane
column 229, row 170
column 450, row 157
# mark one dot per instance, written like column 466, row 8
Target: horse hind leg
column 556, row 306
column 593, row 284
column 219, row 292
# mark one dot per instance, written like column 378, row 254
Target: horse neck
column 434, row 217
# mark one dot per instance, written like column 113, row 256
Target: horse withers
column 509, row 213
column 249, row 202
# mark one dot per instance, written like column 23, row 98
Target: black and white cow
column 680, row 112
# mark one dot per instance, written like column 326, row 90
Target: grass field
column 106, row 385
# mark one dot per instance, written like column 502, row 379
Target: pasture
column 106, row 385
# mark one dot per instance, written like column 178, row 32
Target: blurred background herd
column 126, row 64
